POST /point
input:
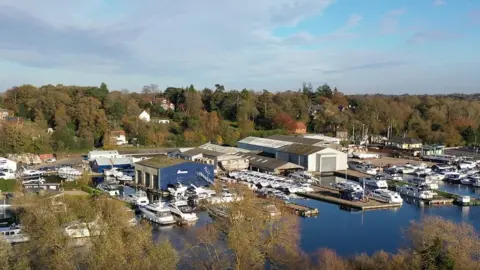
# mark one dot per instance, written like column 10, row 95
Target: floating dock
column 351, row 174
column 332, row 195
column 301, row 210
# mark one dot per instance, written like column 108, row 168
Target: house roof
column 198, row 151
column 268, row 163
column 117, row 132
column 222, row 149
column 300, row 125
column 405, row 140
column 161, row 162
column 301, row 149
column 295, row 139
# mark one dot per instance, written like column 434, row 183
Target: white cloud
column 132, row 43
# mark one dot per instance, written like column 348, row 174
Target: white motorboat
column 466, row 181
column 280, row 195
column 7, row 174
column 31, row 174
column 394, row 176
column 375, row 182
column 201, row 192
column 68, row 172
column 305, row 187
column 349, row 186
column 113, row 172
column 34, row 181
column 455, row 177
column 466, row 164
column 158, row 213
column 463, row 200
column 415, row 192
column 364, row 168
column 140, row 198
column 125, row 178
column 423, row 181
column 304, row 176
column 112, row 191
column 176, row 190
column 13, row 234
column 385, row 195
column 182, row 211
column 475, row 182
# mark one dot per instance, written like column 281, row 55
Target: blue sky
column 360, row 46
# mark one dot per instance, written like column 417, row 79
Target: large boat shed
column 266, row 164
column 158, row 172
column 314, row 158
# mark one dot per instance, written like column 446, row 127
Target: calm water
column 350, row 233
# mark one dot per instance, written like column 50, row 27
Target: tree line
column 83, row 117
column 246, row 238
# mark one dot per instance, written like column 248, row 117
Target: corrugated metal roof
column 264, row 142
column 103, row 161
column 161, row 162
column 198, row 151
column 295, row 139
column 268, row 163
column 301, row 149
column 222, row 149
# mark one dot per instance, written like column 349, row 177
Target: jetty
column 332, row 195
column 351, row 174
column 301, row 210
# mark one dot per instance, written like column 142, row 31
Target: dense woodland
column 82, row 117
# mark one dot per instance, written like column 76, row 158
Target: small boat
column 455, row 177
column 39, row 181
column 182, row 211
column 140, row 198
column 113, row 172
column 201, row 192
column 416, row 192
column 385, row 195
column 466, row 181
column 375, row 182
column 348, row 186
column 158, row 213
column 394, row 176
column 108, row 189
column 476, row 182
column 225, row 197
column 7, row 174
column 68, row 172
column 463, row 200
column 13, row 234
column 423, row 181
column 176, row 190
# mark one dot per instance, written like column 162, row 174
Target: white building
column 7, row 165
column 161, row 121
column 144, row 116
column 92, row 155
column 314, row 158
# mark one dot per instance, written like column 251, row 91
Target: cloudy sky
column 360, row 46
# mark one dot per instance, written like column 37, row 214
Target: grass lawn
column 8, row 185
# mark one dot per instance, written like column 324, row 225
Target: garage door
column 329, row 164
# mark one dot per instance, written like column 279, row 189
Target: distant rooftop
column 301, row 149
column 295, row 139
column 161, row 162
column 265, row 142
column 222, row 149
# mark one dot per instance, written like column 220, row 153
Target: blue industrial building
column 100, row 164
column 159, row 172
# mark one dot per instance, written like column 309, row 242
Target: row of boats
column 294, row 183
